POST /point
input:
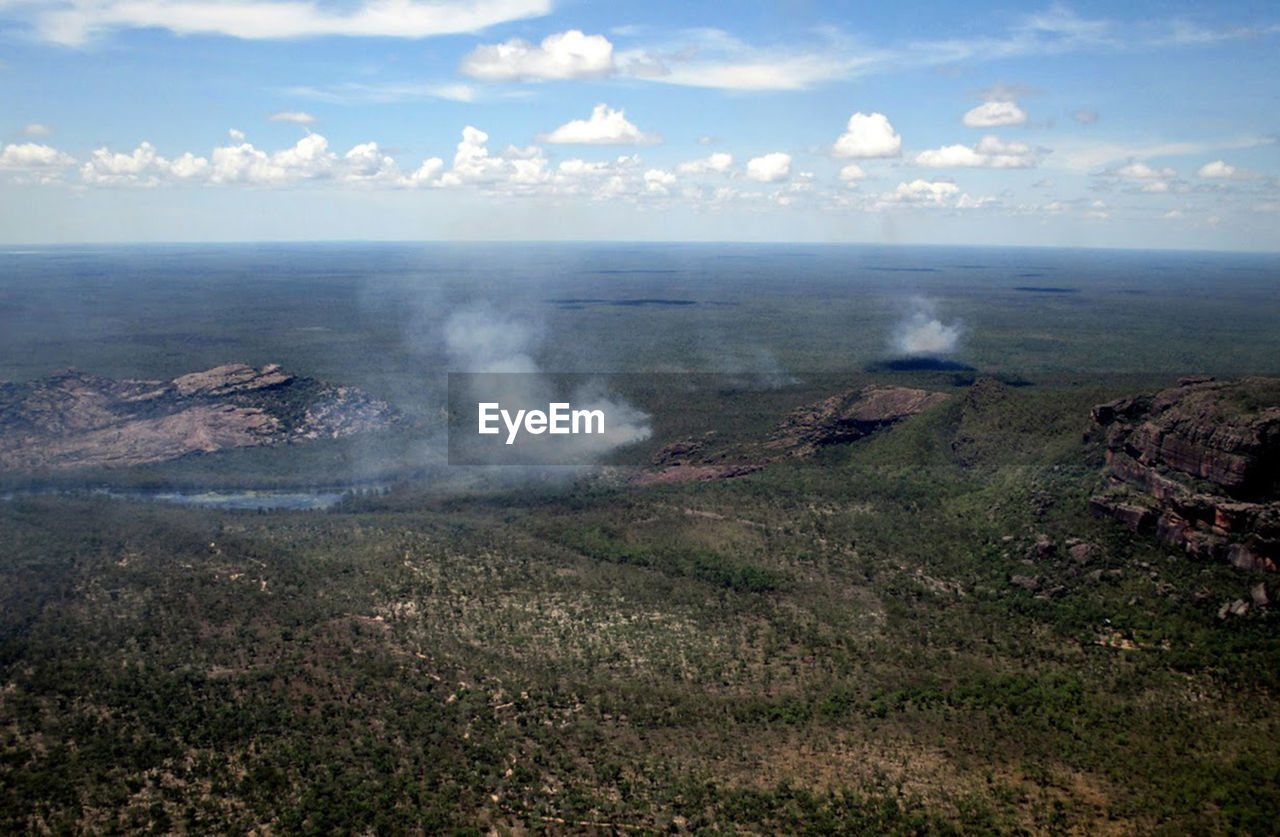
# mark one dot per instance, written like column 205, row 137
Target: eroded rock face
column 850, row 416
column 836, row 420
column 76, row 420
column 1197, row 467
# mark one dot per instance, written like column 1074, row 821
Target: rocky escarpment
column 839, row 419
column 1197, row 465
column 850, row 416
column 77, row 420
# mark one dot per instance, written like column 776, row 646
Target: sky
column 1085, row 124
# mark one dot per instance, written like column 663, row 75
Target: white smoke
column 923, row 333
column 480, row 340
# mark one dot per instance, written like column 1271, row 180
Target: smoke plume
column 923, row 333
column 480, row 340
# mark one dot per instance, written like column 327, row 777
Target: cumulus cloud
column 929, row 194
column 242, row 163
column 605, row 126
column 769, row 168
column 995, row 115
column 658, row 181
column 852, row 172
column 141, row 167
column 720, row 163
column 368, row 163
column 36, row 129
column 1141, row 171
column 309, row 158
column 473, row 163
column 868, row 135
column 566, row 55
column 297, row 117
column 990, row 152
column 73, row 23
column 33, row 156
column 1221, row 170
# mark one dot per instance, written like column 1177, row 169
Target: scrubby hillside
column 920, row 630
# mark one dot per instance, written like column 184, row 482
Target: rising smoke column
column 921, row 332
column 480, row 340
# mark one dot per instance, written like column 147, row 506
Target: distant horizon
column 14, row 248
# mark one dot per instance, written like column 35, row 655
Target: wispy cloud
column 73, row 22
column 714, row 58
column 384, row 93
column 1091, row 156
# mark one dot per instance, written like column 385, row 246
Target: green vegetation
column 828, row 645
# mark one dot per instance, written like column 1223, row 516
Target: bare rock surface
column 77, row 420
column 839, row 419
column 850, row 416
column 1198, row 467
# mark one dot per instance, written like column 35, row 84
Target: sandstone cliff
column 76, row 420
column 1198, row 466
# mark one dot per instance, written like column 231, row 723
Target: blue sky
column 1081, row 124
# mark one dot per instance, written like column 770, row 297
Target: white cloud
column 657, row 181
column 1085, row 117
column 922, row 191
column 308, row 159
column 297, row 117
column 852, row 172
column 1217, row 169
column 36, row 129
column 367, row 163
column 31, row 155
column 605, row 126
column 1141, row 171
column 384, row 92
column 236, row 134
column 188, row 166
column 141, row 167
column 784, row 73
column 990, row 152
column 720, row 163
column 73, row 23
column 995, row 115
column 929, row 193
column 1088, row 156
column 514, row 170
column 567, row 55
column 868, row 135
column 769, row 168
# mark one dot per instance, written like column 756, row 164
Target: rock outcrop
column 850, row 416
column 839, row 419
column 76, row 420
column 1198, row 466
